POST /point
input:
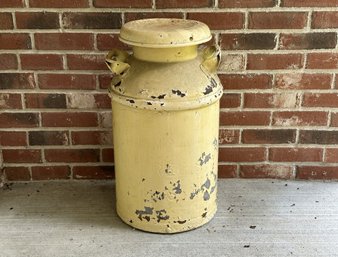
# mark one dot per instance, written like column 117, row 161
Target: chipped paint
column 144, row 214
column 204, row 158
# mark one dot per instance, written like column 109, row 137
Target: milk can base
column 169, row 227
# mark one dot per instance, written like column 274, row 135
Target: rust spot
column 177, row 187
column 178, row 92
column 149, row 103
column 130, row 101
column 168, row 169
column 204, row 214
column 161, row 215
column 157, row 196
column 181, row 221
column 208, row 90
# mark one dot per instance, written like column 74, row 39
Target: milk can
column 165, row 108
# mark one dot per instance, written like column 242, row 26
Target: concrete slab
column 255, row 218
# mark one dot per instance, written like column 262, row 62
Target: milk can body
column 165, row 109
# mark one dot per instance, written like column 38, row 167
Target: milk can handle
column 116, row 62
column 211, row 58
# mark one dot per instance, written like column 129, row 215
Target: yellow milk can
column 165, row 107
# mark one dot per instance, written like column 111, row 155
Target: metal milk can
column 165, row 107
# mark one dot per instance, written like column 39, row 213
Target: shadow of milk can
column 165, row 107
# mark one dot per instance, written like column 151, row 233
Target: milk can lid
column 162, row 32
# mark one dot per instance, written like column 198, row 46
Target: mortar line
column 189, row 9
column 309, row 21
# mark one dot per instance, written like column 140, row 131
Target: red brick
column 123, row 4
column 59, row 4
column 6, row 20
column 325, row 20
column 21, row 155
column 183, row 4
column 228, row 136
column 274, row 61
column 299, row 118
column 67, row 81
column 270, row 100
column 295, row 154
column 266, row 171
column 10, row 101
column 19, row 120
column 102, row 101
column 317, row 172
column 230, row 100
column 277, row 20
column 241, row 154
column 91, row 138
column 303, row 81
column 268, row 136
column 251, row 41
column 91, row 20
column 215, row 20
column 109, row 41
column 105, row 80
column 86, row 62
column 108, row 155
column 322, row 137
column 130, row 16
column 69, row 119
column 331, row 155
column 247, row 81
column 11, row 138
column 244, row 118
column 15, row 41
column 48, row 137
column 72, row 155
column 37, row 20
column 334, row 120
column 320, row 100
column 45, row 101
column 308, row 41
column 17, row 81
column 309, row 3
column 12, row 3
column 93, row 172
column 7, row 62
column 50, row 172
column 322, row 61
column 41, row 61
column 64, row 41
column 227, row 171
column 17, row 173
column 246, row 3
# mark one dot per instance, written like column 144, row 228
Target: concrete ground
column 255, row 218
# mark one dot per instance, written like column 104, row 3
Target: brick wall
column 279, row 114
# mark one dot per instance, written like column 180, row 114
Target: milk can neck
column 170, row 54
